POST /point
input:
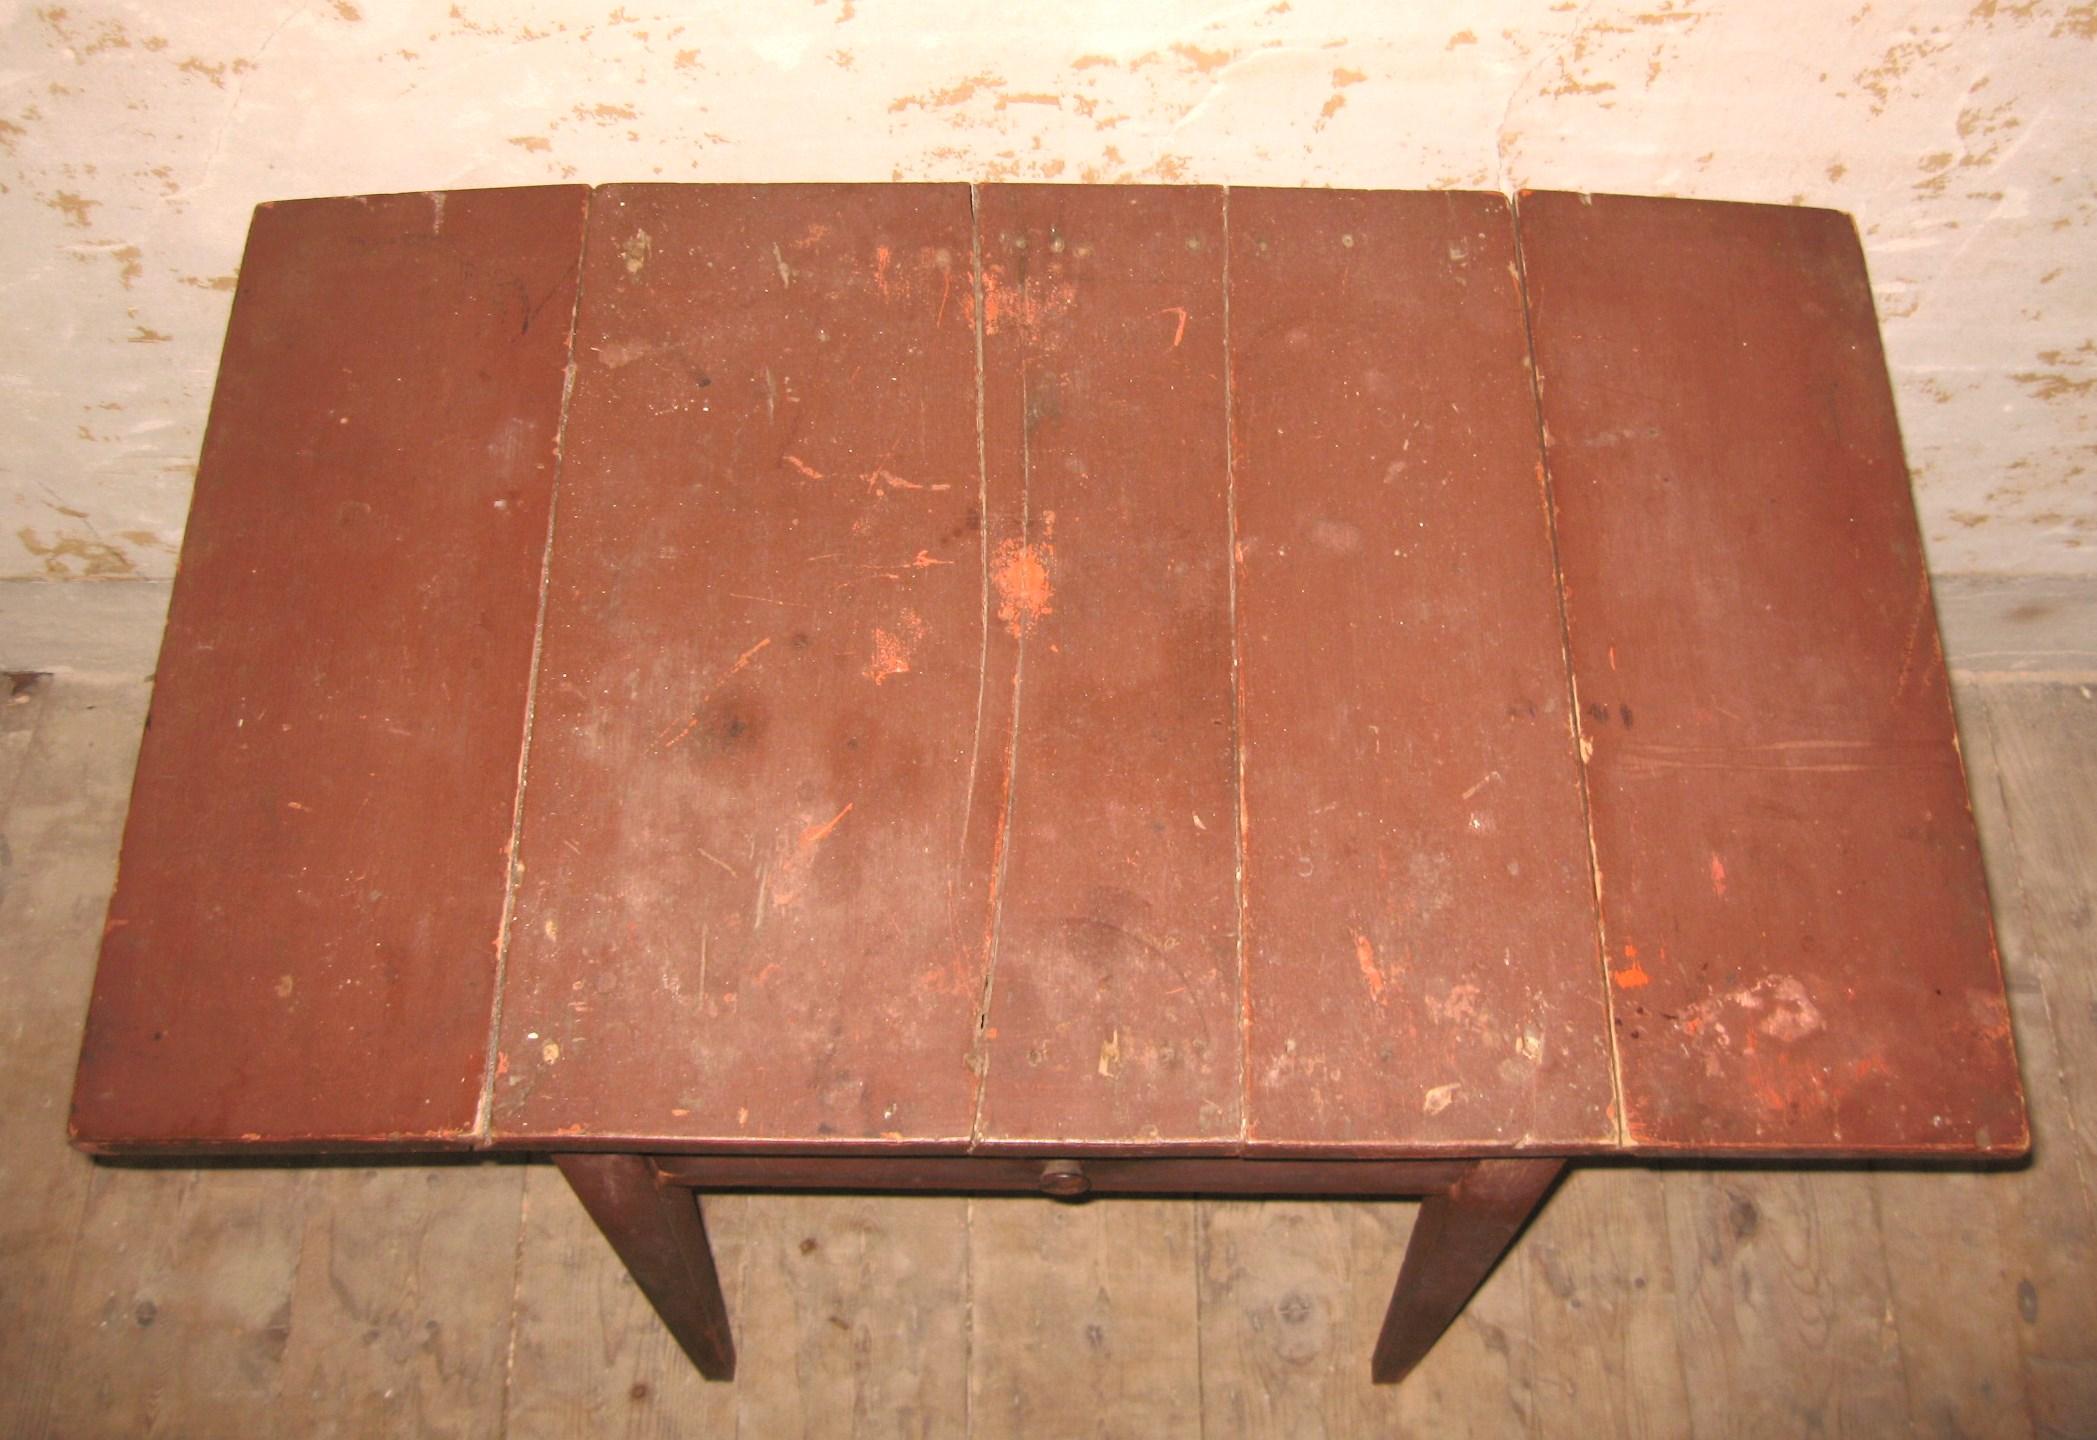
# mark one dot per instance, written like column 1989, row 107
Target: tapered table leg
column 1459, row 1236
column 656, row 1228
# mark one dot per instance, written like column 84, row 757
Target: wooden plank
column 747, row 911
column 2034, row 768
column 1791, row 890
column 1782, row 1303
column 1113, row 1004
column 1481, row 1379
column 1083, row 1319
column 1599, row 1276
column 1952, row 1239
column 1292, row 1296
column 21, row 704
column 180, row 1307
column 401, row 1305
column 66, row 748
column 1421, row 961
column 1953, row 1293
column 856, row 1308
column 302, row 946
column 590, row 1357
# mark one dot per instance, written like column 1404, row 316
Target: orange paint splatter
column 1021, row 574
column 1179, row 331
column 1632, row 976
column 891, row 657
column 1718, row 874
column 1372, row 973
column 882, row 258
column 893, row 649
column 1030, row 305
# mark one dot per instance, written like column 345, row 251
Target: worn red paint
column 1851, row 786
column 670, row 739
column 803, row 852
column 894, row 648
column 1030, row 304
column 347, row 308
column 1021, row 574
column 891, row 657
column 1372, row 973
column 786, row 738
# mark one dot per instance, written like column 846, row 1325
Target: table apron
column 1064, row 1177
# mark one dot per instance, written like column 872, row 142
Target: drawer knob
column 1064, row 1179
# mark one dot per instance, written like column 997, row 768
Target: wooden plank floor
column 478, row 1300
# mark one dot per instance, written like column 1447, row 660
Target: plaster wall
column 136, row 137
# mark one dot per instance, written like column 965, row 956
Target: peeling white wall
column 135, row 138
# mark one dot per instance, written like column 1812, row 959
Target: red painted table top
column 1051, row 669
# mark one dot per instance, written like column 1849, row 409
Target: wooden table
column 1087, row 690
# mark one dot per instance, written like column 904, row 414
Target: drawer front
column 1066, row 1177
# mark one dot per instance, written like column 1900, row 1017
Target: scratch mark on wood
column 669, row 741
column 793, row 869
column 1179, row 332
column 709, row 855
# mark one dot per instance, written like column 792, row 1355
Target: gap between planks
column 1618, row 1121
column 484, row 1113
